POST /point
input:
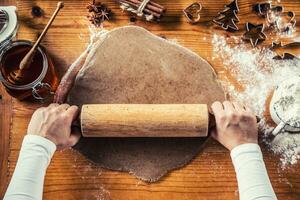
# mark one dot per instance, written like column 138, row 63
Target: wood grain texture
column 144, row 120
column 5, row 122
column 71, row 176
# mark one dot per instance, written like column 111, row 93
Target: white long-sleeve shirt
column 27, row 181
column 36, row 153
column 251, row 173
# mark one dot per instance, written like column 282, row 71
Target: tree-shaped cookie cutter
column 228, row 18
column 192, row 12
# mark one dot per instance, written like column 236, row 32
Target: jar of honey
column 40, row 80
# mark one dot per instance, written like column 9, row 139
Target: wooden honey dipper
column 18, row 75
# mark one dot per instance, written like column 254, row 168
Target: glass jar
column 277, row 110
column 38, row 83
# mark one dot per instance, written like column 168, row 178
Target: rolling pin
column 144, row 120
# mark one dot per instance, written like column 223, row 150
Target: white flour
column 258, row 74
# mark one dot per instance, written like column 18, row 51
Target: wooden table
column 70, row 175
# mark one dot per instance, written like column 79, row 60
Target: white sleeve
column 28, row 178
column 252, row 176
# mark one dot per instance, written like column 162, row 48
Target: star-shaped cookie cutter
column 287, row 51
column 192, row 12
column 254, row 33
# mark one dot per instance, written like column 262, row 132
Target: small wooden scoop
column 18, row 75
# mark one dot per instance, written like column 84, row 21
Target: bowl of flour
column 285, row 106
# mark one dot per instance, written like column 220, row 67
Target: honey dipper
column 17, row 76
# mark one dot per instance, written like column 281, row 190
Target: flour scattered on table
column 90, row 174
column 257, row 73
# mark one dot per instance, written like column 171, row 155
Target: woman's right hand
column 54, row 123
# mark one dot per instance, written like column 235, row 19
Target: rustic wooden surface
column 71, row 176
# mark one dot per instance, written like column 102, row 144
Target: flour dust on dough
column 130, row 65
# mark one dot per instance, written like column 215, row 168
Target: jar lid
column 8, row 23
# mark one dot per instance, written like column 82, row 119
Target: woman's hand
column 235, row 124
column 54, row 123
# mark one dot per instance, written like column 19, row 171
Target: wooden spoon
column 18, row 75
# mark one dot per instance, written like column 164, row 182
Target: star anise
column 98, row 13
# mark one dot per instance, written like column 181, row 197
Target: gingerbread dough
column 131, row 65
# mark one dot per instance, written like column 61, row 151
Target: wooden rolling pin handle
column 144, row 120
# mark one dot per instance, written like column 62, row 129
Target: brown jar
column 39, row 82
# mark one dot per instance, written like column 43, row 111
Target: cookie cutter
column 192, row 12
column 262, row 9
column 227, row 18
column 254, row 34
column 275, row 15
column 287, row 51
column 278, row 20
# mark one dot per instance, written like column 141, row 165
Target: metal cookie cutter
column 228, row 18
column 275, row 16
column 282, row 21
column 288, row 51
column 192, row 12
column 262, row 9
column 254, row 34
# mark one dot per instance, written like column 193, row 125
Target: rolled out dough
column 131, row 65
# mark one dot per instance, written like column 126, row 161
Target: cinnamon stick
column 135, row 4
column 151, row 8
column 147, row 11
column 155, row 4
